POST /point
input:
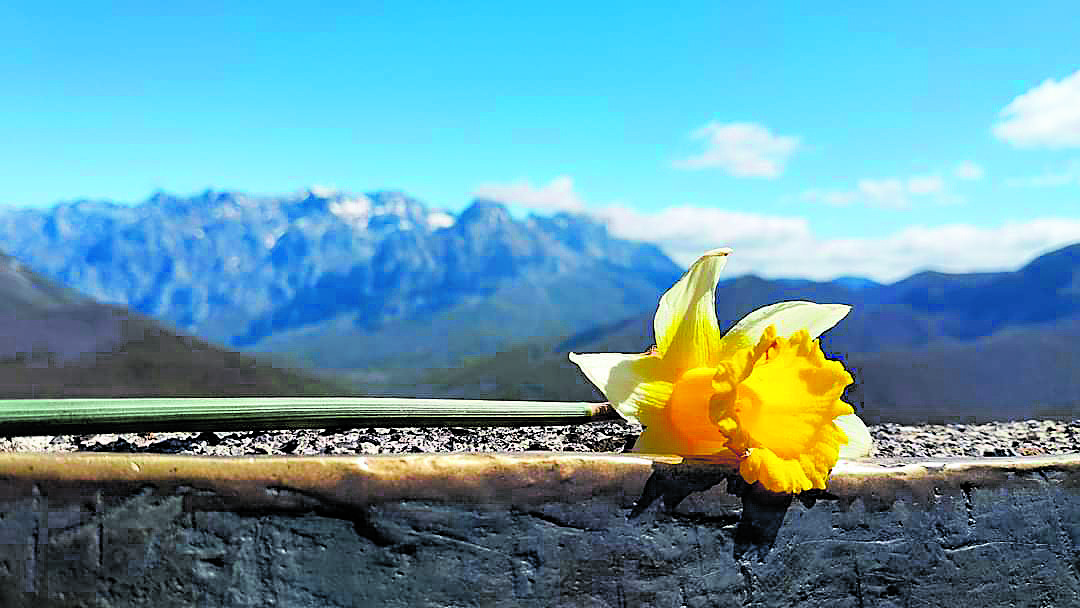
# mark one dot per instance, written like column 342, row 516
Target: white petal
column 619, row 377
column 685, row 323
column 788, row 317
column 859, row 441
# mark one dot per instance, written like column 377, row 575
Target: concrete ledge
column 533, row 529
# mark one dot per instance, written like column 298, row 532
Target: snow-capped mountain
column 242, row 269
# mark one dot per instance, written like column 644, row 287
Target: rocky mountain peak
column 483, row 212
column 207, row 199
column 224, row 265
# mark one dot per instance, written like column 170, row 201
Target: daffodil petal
column 859, row 442
column 785, row 476
column 788, row 317
column 660, row 437
column 630, row 382
column 685, row 325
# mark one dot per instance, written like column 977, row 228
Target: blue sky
column 859, row 140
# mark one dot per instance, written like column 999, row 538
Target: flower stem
column 87, row 416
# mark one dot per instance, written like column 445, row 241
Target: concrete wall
column 533, row 530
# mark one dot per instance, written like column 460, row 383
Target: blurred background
column 443, row 200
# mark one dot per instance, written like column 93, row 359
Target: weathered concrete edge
column 497, row 479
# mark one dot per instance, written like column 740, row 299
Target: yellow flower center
column 688, row 408
column 786, row 406
column 773, row 405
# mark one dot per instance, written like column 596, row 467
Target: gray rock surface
column 534, row 530
column 592, row 533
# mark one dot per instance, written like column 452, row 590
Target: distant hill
column 932, row 347
column 23, row 291
column 377, row 282
column 55, row 342
column 1015, row 373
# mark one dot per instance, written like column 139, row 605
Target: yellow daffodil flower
column 762, row 396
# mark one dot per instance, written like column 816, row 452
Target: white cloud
column 776, row 246
column 324, row 191
column 1067, row 175
column 969, row 171
column 786, row 246
column 557, row 195
column 927, row 184
column 1047, row 116
column 884, row 192
column 684, row 232
column 892, row 192
column 743, row 149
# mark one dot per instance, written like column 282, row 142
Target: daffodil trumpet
column 761, row 397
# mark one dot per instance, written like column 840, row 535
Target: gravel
column 1020, row 438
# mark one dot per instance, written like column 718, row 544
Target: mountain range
column 408, row 300
column 374, row 282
